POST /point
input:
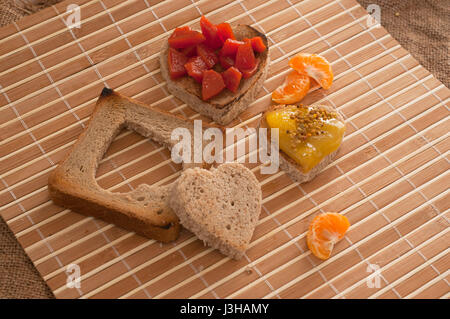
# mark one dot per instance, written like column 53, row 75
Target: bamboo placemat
column 390, row 179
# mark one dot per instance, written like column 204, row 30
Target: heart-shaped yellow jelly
column 307, row 133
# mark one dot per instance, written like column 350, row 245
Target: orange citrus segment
column 324, row 232
column 293, row 89
column 315, row 66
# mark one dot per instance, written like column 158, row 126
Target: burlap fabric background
column 421, row 26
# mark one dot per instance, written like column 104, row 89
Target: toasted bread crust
column 63, row 195
column 227, row 105
column 288, row 165
column 72, row 184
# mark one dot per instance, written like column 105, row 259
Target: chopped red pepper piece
column 197, row 53
column 232, row 78
column 211, row 34
column 208, row 55
column 258, row 44
column 184, row 39
column 195, row 68
column 245, row 58
column 225, row 32
column 176, row 61
column 190, row 51
column 226, row 61
column 248, row 73
column 181, row 30
column 212, row 84
column 230, row 47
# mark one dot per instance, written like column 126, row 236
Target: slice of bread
column 288, row 165
column 221, row 206
column 72, row 184
column 226, row 106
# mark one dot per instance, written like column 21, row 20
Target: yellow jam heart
column 307, row 133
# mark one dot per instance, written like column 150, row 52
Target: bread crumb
column 397, row 14
column 248, row 270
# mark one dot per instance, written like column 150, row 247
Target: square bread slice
column 72, row 184
column 226, row 106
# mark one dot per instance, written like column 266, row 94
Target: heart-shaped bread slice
column 226, row 106
column 221, row 206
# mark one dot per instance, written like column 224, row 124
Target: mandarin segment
column 324, row 232
column 293, row 90
column 315, row 66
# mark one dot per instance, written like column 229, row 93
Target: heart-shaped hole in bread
column 143, row 210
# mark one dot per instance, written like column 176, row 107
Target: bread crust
column 226, row 106
column 287, row 164
column 72, row 184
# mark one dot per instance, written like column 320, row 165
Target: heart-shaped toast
column 226, row 106
column 221, row 206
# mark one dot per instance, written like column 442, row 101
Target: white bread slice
column 221, row 206
column 226, row 106
column 287, row 164
column 72, row 184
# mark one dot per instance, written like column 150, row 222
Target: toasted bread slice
column 288, row 165
column 226, row 106
column 221, row 206
column 72, row 184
